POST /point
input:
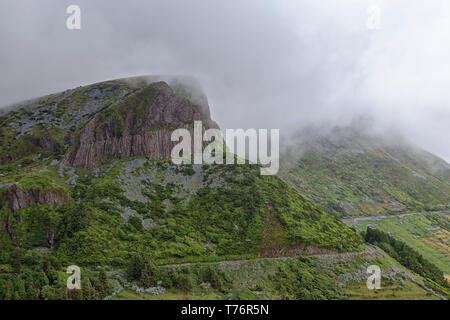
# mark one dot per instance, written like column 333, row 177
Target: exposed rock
column 154, row 291
column 19, row 199
column 144, row 130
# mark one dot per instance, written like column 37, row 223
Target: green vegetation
column 181, row 215
column 205, row 223
column 290, row 278
column 390, row 291
column 44, row 125
column 35, row 274
column 419, row 232
column 409, row 258
column 212, row 231
column 351, row 174
column 276, row 278
column 139, row 101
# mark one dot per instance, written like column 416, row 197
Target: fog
column 262, row 63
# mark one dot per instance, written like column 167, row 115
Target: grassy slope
column 317, row 277
column 433, row 245
column 351, row 174
column 28, row 127
column 390, row 291
column 194, row 214
column 173, row 214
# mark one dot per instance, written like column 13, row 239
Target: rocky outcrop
column 46, row 143
column 19, row 199
column 141, row 125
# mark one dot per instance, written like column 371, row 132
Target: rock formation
column 19, row 199
column 141, row 125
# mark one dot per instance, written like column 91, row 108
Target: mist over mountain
column 86, row 179
column 88, row 182
column 359, row 170
column 265, row 64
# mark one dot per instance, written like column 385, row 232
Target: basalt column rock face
column 19, row 199
column 140, row 125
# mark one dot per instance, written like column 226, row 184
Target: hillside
column 428, row 233
column 334, row 276
column 85, row 180
column 374, row 181
column 347, row 171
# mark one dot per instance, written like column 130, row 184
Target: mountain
column 372, row 180
column 86, row 180
column 348, row 171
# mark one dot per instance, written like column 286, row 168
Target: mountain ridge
column 88, row 198
column 350, row 173
column 75, row 191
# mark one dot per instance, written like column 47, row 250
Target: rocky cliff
column 19, row 199
column 118, row 131
column 89, row 126
column 140, row 125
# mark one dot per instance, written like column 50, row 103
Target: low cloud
column 262, row 63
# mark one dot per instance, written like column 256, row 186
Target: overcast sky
column 263, row 64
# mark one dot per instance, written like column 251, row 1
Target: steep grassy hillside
column 320, row 277
column 171, row 212
column 77, row 187
column 428, row 233
column 347, row 172
column 372, row 181
column 85, row 181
